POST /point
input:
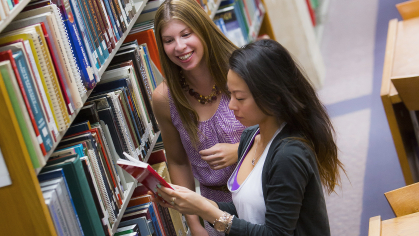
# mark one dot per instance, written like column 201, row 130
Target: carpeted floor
column 353, row 45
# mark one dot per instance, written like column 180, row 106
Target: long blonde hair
column 217, row 51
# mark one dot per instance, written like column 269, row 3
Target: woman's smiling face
column 182, row 45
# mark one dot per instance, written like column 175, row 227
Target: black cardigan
column 292, row 190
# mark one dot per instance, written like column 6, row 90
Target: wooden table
column 407, row 225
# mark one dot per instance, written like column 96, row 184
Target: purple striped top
column 222, row 127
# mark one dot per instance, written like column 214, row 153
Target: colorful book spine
column 118, row 26
column 96, row 27
column 92, row 30
column 105, row 22
column 90, row 46
column 118, row 10
column 99, row 21
column 107, row 19
column 27, row 86
column 112, row 19
column 7, row 79
column 76, row 43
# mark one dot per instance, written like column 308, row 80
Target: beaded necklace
column 201, row 99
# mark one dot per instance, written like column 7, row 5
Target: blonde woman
column 199, row 132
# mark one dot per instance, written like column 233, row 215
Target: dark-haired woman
column 286, row 157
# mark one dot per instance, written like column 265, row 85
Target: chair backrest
column 408, row 9
column 404, row 200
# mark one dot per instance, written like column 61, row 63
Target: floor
column 353, row 45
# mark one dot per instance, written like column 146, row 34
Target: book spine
column 54, row 89
column 110, row 21
column 70, row 216
column 96, row 27
column 130, row 127
column 102, row 187
column 51, row 120
column 92, row 30
column 114, row 14
column 120, row 16
column 122, row 125
column 150, row 73
column 29, row 89
column 90, row 48
column 99, row 201
column 71, row 203
column 102, row 28
column 71, row 87
column 154, row 220
column 55, row 218
column 163, row 220
column 106, row 23
column 124, row 15
column 82, row 58
column 113, row 24
column 75, row 81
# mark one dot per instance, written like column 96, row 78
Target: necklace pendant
column 253, row 162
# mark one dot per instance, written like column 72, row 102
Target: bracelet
column 224, row 223
column 230, row 222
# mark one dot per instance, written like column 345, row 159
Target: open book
column 143, row 173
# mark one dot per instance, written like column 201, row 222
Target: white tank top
column 248, row 198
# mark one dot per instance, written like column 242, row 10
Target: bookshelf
column 13, row 13
column 22, row 204
column 127, row 194
column 289, row 23
column 214, row 10
column 139, row 6
column 400, row 100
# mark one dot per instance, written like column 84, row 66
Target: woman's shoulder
column 161, row 103
column 160, row 94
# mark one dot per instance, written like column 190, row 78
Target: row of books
column 240, row 20
column 6, row 6
column 113, row 120
column 149, row 217
column 46, row 63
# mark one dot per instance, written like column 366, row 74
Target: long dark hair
column 281, row 89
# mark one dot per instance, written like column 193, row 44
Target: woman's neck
column 268, row 128
column 199, row 77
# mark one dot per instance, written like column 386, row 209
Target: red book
column 157, row 157
column 143, row 173
column 149, row 38
column 8, row 56
column 57, row 70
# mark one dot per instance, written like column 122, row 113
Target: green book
column 8, row 78
column 81, row 194
column 127, row 230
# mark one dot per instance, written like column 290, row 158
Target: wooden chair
column 405, row 200
column 408, row 9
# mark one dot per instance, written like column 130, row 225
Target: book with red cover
column 60, row 76
column 8, row 56
column 157, row 157
column 143, row 173
column 149, row 38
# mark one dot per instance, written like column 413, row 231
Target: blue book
column 82, row 61
column 143, row 225
column 31, row 93
column 78, row 148
column 147, row 61
column 77, row 128
column 59, row 174
column 80, row 191
column 83, row 22
column 152, row 214
column 117, row 32
column 81, row 27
